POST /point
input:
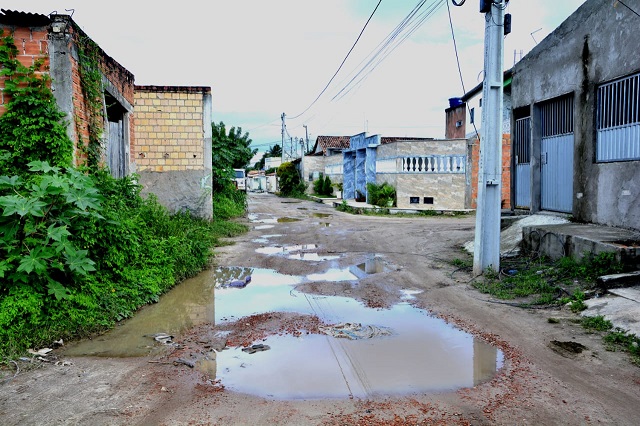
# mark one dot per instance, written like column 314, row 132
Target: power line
column 620, row 1
column 382, row 45
column 409, row 25
column 455, row 48
column 343, row 61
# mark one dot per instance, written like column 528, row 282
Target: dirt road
column 538, row 383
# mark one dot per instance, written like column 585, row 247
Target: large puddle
column 422, row 354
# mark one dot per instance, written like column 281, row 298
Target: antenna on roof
column 70, row 10
column 532, row 33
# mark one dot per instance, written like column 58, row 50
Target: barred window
column 618, row 119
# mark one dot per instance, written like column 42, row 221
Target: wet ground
column 417, row 353
column 428, row 348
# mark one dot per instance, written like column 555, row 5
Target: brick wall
column 452, row 117
column 169, row 128
column 32, row 44
column 506, row 171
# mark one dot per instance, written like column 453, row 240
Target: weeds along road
column 536, row 384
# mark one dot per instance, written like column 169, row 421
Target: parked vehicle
column 240, row 179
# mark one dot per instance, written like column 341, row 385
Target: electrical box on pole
column 486, row 253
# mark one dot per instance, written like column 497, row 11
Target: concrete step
column 619, row 280
column 621, row 307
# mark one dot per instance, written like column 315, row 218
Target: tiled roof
column 12, row 17
column 334, row 142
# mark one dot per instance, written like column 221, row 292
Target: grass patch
column 619, row 339
column 543, row 282
column 597, row 323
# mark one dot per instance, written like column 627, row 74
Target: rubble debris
column 184, row 362
column 355, row 331
column 256, row 348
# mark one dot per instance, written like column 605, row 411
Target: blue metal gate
column 556, row 153
column 522, row 152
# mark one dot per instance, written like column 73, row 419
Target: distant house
column 464, row 120
column 576, row 117
column 428, row 174
column 163, row 133
column 325, row 159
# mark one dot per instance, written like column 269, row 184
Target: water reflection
column 424, row 354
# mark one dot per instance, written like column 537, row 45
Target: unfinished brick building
column 173, row 156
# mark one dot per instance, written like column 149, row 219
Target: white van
column 240, row 179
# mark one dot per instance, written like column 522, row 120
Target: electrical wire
column 405, row 29
column 342, row 64
column 636, row 13
column 455, row 48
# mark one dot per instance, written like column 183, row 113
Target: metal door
column 522, row 152
column 556, row 152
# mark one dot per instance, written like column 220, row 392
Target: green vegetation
column 32, row 128
column 619, row 339
column 323, row 187
column 290, row 183
column 229, row 151
column 274, row 151
column 383, row 195
column 597, row 323
column 544, row 282
column 79, row 249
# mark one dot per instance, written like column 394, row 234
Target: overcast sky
column 265, row 57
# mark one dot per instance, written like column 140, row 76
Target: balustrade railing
column 423, row 164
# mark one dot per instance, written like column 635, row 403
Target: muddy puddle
column 270, row 220
column 297, row 252
column 421, row 353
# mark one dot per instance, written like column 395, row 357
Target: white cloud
column 265, row 57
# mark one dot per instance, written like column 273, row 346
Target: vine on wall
column 92, row 91
column 33, row 127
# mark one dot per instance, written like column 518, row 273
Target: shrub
column 323, row 186
column 290, row 182
column 327, row 189
column 383, row 195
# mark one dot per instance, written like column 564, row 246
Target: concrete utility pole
column 306, row 137
column 486, row 253
column 283, row 131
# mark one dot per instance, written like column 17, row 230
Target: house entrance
column 116, row 150
column 556, row 155
column 522, row 152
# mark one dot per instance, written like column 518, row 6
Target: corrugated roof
column 23, row 19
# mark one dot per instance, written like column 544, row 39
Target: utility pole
column 486, row 254
column 306, row 138
column 283, row 132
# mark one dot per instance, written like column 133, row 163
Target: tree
column 232, row 150
column 229, row 151
column 274, row 151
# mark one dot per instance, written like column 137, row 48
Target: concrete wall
column 173, row 139
column 447, row 190
column 312, row 168
column 596, row 44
